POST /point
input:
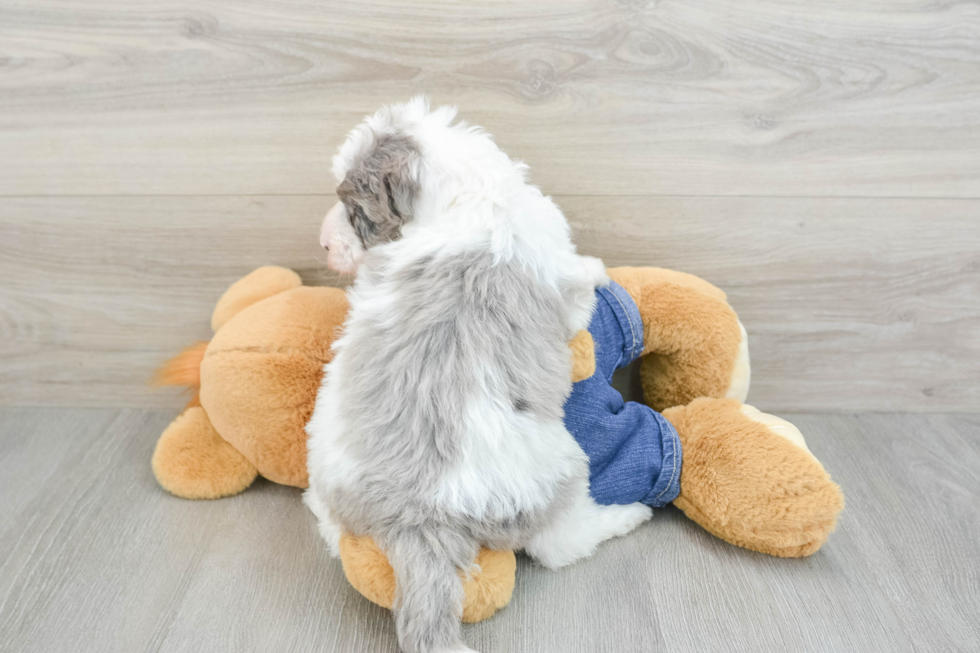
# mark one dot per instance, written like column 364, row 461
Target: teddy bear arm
column 583, row 356
column 193, row 461
column 694, row 346
column 635, row 279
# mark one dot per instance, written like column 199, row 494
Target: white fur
column 492, row 461
column 329, row 529
column 472, row 197
column 344, row 250
column 577, row 532
column 474, row 188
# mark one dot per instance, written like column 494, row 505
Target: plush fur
column 255, row 360
column 248, row 356
column 438, row 427
column 184, row 370
column 583, row 356
column 192, row 460
column 260, row 284
column 762, row 461
column 768, row 494
column 694, row 345
column 486, row 589
column 272, row 341
column 747, row 477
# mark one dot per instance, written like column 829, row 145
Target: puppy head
column 379, row 173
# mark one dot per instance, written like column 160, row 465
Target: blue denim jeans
column 634, row 453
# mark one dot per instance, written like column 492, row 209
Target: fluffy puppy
column 438, row 427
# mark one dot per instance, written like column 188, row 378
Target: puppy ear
column 380, row 188
column 399, row 179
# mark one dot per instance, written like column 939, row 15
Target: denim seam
column 626, row 313
column 673, row 471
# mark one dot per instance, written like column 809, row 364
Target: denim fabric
column 634, row 453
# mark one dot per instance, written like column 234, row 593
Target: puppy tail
column 184, row 369
column 428, row 591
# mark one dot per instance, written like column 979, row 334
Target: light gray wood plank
column 913, row 516
column 600, row 97
column 899, row 573
column 98, row 292
column 850, row 304
column 95, row 557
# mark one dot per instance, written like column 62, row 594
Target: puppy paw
column 595, row 271
column 620, row 520
column 329, row 530
column 577, row 534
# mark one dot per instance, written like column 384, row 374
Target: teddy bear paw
column 749, row 478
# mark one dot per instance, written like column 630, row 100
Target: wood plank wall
column 818, row 161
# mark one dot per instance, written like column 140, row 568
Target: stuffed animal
column 744, row 476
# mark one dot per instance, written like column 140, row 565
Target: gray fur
column 403, row 398
column 380, row 188
column 408, row 380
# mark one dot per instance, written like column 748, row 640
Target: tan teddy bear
column 746, row 477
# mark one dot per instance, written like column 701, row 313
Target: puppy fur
column 438, row 426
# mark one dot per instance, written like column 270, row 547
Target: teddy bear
column 745, row 476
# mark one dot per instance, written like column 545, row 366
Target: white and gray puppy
column 438, row 427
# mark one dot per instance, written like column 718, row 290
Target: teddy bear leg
column 748, row 478
column 693, row 343
column 193, row 462
column 487, row 588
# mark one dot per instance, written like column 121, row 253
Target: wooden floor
column 94, row 556
column 819, row 161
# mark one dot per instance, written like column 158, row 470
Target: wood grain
column 771, row 97
column 851, row 304
column 821, row 162
column 94, row 556
column 818, row 161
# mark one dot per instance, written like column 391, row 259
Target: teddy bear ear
column 254, row 287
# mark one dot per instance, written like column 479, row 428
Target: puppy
column 438, row 426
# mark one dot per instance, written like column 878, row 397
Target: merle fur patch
column 380, row 189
